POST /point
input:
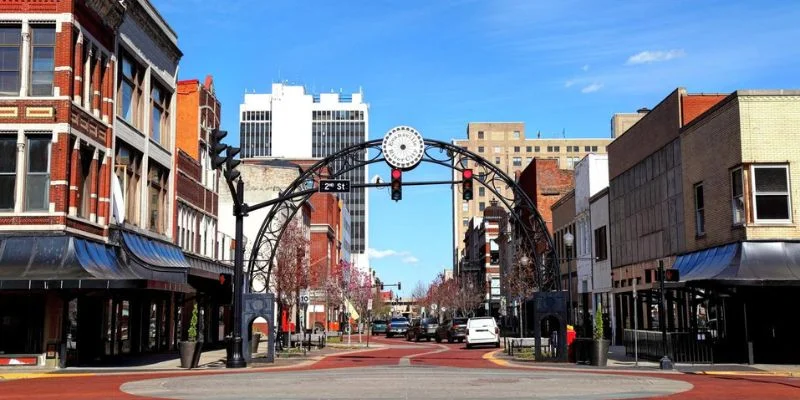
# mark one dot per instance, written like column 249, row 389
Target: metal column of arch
column 529, row 226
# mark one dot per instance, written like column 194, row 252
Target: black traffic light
column 230, row 163
column 397, row 184
column 381, row 285
column 670, row 275
column 399, row 287
column 216, row 148
column 466, row 184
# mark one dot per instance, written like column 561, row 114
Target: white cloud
column 375, row 253
column 569, row 83
column 647, row 57
column 585, row 67
column 592, row 88
column 407, row 257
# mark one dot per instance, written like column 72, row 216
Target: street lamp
column 569, row 240
column 524, row 261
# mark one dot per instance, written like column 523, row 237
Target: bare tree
column 469, row 295
column 419, row 296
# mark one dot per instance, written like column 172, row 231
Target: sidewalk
column 166, row 362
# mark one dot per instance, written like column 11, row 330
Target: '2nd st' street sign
column 334, row 185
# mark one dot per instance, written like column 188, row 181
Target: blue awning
column 154, row 252
column 745, row 263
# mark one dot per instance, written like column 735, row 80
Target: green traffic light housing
column 466, row 184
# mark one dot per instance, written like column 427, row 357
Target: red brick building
column 326, row 254
column 88, row 270
column 545, row 183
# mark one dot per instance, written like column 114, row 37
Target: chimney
column 643, row 110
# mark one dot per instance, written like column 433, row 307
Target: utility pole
column 665, row 362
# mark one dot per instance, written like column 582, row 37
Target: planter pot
column 599, row 354
column 187, row 351
column 254, row 343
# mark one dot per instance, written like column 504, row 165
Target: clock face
column 403, row 147
column 259, row 284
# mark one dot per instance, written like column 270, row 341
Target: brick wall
column 710, row 148
column 769, row 129
column 545, row 184
column 187, row 119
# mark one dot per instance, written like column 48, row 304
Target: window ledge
column 777, row 224
column 159, row 145
column 129, row 125
column 39, row 213
column 699, row 236
column 86, row 221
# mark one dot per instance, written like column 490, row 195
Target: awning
column 745, row 263
column 65, row 261
column 154, row 252
column 207, row 268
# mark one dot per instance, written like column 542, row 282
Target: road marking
column 566, row 367
column 34, row 375
column 779, row 374
column 406, row 361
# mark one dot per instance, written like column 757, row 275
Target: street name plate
column 334, row 185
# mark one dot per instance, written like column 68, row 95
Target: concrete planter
column 189, row 354
column 599, row 353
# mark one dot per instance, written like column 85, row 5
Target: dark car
column 378, row 326
column 453, row 330
column 397, row 326
column 424, row 328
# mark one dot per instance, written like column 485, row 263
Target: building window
column 515, row 135
column 480, row 149
column 587, row 148
column 480, row 134
column 528, row 149
column 771, row 194
column 481, row 191
column 737, row 196
column 536, row 149
column 464, row 222
column 496, row 149
column 569, row 149
column 37, row 181
column 528, row 160
column 129, row 94
column 549, row 149
column 516, row 149
column 8, row 170
column 481, row 206
column 699, row 210
column 10, row 43
column 42, row 60
column 600, row 244
column 497, row 160
column 159, row 128
column 464, row 206
column 157, row 197
column 517, row 161
column 557, row 149
column 128, row 169
column 594, row 149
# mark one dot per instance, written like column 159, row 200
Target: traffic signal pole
column 236, row 358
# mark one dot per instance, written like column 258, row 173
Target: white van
column 482, row 330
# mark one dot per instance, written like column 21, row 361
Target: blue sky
column 436, row 65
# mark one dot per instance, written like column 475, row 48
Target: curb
column 775, row 374
column 309, row 361
column 511, row 364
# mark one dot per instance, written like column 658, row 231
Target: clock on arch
column 403, row 147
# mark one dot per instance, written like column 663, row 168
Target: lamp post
column 569, row 240
column 665, row 362
column 523, row 261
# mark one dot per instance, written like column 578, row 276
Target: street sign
column 433, row 307
column 304, row 297
column 369, row 305
column 334, row 185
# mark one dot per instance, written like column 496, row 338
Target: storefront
column 67, row 300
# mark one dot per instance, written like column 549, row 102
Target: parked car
column 379, row 327
column 424, row 328
column 455, row 329
column 482, row 330
column 397, row 326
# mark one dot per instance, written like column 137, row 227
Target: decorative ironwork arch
column 532, row 238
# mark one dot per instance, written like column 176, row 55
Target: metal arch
column 528, row 223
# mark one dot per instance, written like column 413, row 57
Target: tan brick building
column 506, row 145
column 740, row 173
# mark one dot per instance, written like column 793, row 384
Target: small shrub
column 193, row 325
column 597, row 334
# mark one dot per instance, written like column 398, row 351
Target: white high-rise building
column 294, row 125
